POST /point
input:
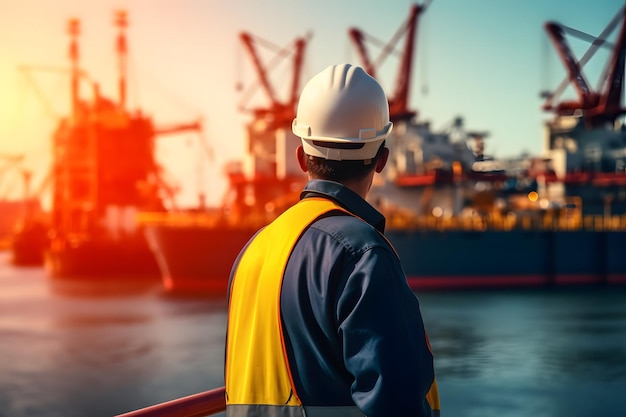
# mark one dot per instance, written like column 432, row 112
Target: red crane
column 398, row 101
column 596, row 106
column 278, row 113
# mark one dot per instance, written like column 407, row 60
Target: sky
column 483, row 60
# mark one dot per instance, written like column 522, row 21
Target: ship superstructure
column 104, row 172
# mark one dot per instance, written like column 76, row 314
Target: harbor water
column 77, row 349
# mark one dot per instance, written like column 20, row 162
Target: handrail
column 205, row 403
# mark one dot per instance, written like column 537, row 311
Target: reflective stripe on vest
column 258, row 376
column 255, row 410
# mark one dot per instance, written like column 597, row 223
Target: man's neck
column 360, row 186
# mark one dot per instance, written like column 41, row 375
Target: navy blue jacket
column 353, row 328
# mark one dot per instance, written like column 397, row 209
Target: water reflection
column 72, row 348
column 551, row 353
column 110, row 287
column 80, row 348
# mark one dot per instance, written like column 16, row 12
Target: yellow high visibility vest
column 257, row 368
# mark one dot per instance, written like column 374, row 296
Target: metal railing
column 205, row 403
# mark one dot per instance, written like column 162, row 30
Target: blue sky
column 484, row 60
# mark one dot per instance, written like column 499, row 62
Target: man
column 321, row 321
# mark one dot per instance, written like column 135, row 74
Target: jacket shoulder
column 353, row 233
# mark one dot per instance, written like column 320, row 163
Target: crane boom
column 179, row 128
column 601, row 105
column 399, row 100
column 358, row 38
column 399, row 104
column 278, row 112
column 611, row 100
column 574, row 70
column 249, row 45
column 297, row 72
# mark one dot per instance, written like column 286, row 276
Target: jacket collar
column 346, row 198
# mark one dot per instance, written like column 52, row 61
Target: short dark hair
column 339, row 171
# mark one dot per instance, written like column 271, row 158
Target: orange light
column 533, row 196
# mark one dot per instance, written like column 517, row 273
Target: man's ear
column 382, row 160
column 301, row 156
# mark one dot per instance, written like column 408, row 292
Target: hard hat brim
column 367, row 150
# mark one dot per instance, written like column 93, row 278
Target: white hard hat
column 343, row 114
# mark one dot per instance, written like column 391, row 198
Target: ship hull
column 27, row 253
column 516, row 258
column 198, row 260
column 129, row 258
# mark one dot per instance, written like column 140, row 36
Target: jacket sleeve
column 384, row 340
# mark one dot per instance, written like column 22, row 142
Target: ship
column 457, row 218
column 104, row 172
column 23, row 222
column 568, row 229
column 29, row 238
